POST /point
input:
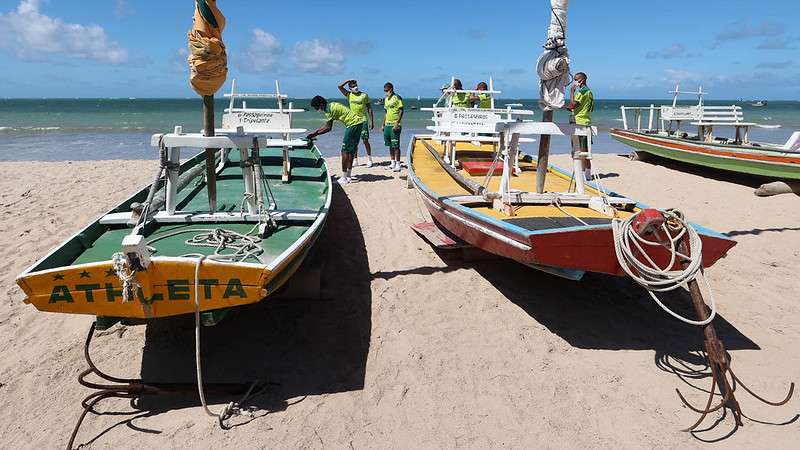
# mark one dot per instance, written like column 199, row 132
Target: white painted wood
column 793, row 143
column 532, row 198
column 551, row 128
column 125, row 218
column 249, row 181
column 174, row 155
column 232, row 140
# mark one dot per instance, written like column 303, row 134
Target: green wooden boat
column 662, row 136
column 169, row 245
column 754, row 159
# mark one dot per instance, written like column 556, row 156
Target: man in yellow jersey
column 582, row 105
column 391, row 125
column 353, row 124
column 482, row 100
column 460, row 99
column 361, row 105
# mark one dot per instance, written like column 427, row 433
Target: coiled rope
column 628, row 244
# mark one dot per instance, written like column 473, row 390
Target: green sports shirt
column 392, row 105
column 584, row 105
column 358, row 103
column 337, row 111
column 460, row 100
column 485, row 101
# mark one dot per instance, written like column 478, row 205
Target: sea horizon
column 100, row 128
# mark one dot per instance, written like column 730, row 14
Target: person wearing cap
column 360, row 105
column 353, row 124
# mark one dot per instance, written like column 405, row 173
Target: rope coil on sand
column 628, row 244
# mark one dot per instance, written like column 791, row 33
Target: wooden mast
column 211, row 174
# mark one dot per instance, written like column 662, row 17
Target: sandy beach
column 414, row 348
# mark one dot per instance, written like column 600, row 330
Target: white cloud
column 121, row 9
column 179, row 62
column 743, row 30
column 262, row 54
column 30, row 34
column 318, row 56
column 673, row 51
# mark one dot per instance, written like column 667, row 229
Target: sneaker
column 343, row 180
column 369, row 164
column 397, row 167
column 355, row 162
column 390, row 166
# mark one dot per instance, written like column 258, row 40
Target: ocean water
column 93, row 129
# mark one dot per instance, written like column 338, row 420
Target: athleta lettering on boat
column 175, row 290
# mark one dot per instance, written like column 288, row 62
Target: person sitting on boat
column 481, row 100
column 582, row 105
column 353, row 124
column 460, row 99
column 361, row 105
column 391, row 125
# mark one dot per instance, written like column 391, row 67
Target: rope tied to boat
column 630, row 245
column 127, row 276
column 220, row 239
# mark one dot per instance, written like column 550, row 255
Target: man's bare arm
column 321, row 130
column 344, row 91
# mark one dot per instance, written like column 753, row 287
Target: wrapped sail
column 207, row 57
column 553, row 64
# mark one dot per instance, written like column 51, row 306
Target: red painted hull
column 589, row 249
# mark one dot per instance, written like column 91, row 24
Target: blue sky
column 630, row 49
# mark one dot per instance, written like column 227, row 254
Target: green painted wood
column 738, row 165
column 307, row 190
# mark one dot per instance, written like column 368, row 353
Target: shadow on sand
column 605, row 312
column 305, row 347
column 743, row 179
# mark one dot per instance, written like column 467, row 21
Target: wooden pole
column 544, row 154
column 211, row 174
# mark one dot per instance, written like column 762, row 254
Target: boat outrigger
column 153, row 253
column 662, row 136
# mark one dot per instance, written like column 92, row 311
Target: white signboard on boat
column 469, row 120
column 256, row 119
column 680, row 113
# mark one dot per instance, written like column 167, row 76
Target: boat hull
column 587, row 248
column 748, row 160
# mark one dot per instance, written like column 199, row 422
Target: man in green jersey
column 582, row 105
column 361, row 105
column 481, row 100
column 460, row 99
column 353, row 124
column 391, row 125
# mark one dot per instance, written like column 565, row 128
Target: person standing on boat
column 460, row 99
column 361, row 105
column 353, row 124
column 483, row 100
column 393, row 104
column 582, row 105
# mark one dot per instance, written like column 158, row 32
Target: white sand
column 412, row 351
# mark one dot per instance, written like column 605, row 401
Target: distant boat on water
column 759, row 104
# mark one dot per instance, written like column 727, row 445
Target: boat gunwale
column 744, row 150
column 272, row 267
column 529, row 234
